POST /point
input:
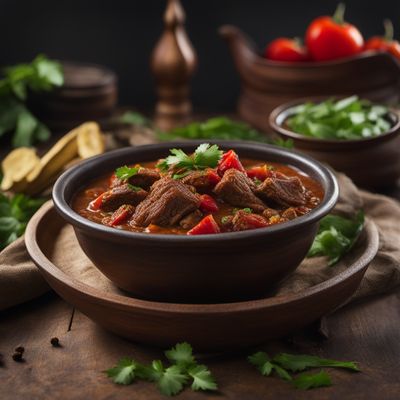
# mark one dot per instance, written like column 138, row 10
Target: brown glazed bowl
column 266, row 84
column 195, row 269
column 371, row 163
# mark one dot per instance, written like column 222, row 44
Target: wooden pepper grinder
column 173, row 63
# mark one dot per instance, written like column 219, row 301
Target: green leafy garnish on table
column 336, row 236
column 311, row 381
column 205, row 156
column 40, row 75
column 170, row 380
column 15, row 212
column 282, row 363
column 221, row 128
column 345, row 119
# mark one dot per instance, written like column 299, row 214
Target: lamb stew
column 207, row 192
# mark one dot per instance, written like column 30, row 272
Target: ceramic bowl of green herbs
column 353, row 135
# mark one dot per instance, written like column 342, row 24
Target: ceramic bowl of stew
column 372, row 163
column 167, row 263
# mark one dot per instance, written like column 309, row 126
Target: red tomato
column 285, row 49
column 213, row 177
column 330, row 38
column 229, row 160
column 208, row 204
column 384, row 43
column 261, row 172
column 243, row 221
column 121, row 215
column 97, row 202
column 206, row 226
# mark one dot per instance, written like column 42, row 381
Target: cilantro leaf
column 171, row 380
column 310, row 381
column 265, row 365
column 126, row 172
column 207, row 156
column 336, row 236
column 300, row 362
column 124, row 373
column 202, row 378
column 181, row 354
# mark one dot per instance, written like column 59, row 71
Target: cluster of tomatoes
column 330, row 38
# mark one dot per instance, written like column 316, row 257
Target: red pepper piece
column 97, row 202
column 208, row 204
column 243, row 221
column 121, row 215
column 206, row 226
column 213, row 177
column 260, row 172
column 229, row 160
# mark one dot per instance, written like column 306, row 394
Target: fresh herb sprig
column 284, row 363
column 345, row 119
column 15, row 212
column 126, row 172
column 205, row 156
column 170, row 380
column 336, row 236
column 40, row 75
column 221, row 128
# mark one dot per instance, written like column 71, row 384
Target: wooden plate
column 207, row 327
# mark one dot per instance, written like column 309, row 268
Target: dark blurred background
column 121, row 34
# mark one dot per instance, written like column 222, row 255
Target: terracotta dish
column 201, row 269
column 207, row 327
column 371, row 163
column 267, row 84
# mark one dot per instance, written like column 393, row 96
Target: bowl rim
column 330, row 197
column 279, row 115
column 122, row 302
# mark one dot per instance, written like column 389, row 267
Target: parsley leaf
column 207, row 156
column 310, row 381
column 336, row 236
column 181, row 354
column 171, row 380
column 202, row 378
column 126, row 172
column 15, row 212
column 265, row 365
column 300, row 362
column 125, row 372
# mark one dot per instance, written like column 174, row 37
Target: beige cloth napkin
column 21, row 281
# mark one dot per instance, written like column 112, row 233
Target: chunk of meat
column 203, row 181
column 269, row 212
column 120, row 195
column 286, row 192
column 290, row 213
column 191, row 219
column 144, row 178
column 236, row 188
column 168, row 202
column 243, row 221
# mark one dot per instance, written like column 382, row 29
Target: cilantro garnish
column 170, row 380
column 311, row 381
column 284, row 362
column 205, row 156
column 126, row 172
column 336, row 236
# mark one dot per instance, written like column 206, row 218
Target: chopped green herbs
column 221, row 128
column 345, row 119
column 336, row 236
column 40, row 75
column 284, row 362
column 170, row 380
column 311, row 381
column 126, row 172
column 205, row 156
column 134, row 118
column 15, row 212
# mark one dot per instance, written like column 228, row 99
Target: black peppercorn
column 20, row 349
column 17, row 356
column 55, row 342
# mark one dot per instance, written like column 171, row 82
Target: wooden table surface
column 367, row 332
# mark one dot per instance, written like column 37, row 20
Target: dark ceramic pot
column 195, row 269
column 371, row 163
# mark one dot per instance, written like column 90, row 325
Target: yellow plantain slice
column 90, row 140
column 16, row 166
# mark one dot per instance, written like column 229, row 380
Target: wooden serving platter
column 51, row 242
